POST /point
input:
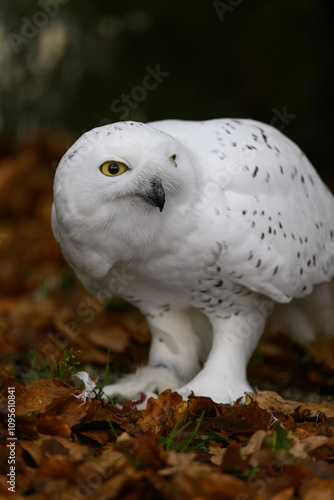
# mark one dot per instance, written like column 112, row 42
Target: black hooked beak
column 155, row 196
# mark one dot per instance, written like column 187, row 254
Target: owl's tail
column 311, row 318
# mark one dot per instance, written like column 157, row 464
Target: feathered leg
column 174, row 356
column 223, row 377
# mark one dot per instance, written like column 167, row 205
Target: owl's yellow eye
column 113, row 168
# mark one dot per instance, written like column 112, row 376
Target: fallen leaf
column 217, row 455
column 113, row 338
column 177, row 462
column 286, row 494
column 312, row 442
column 41, row 394
column 254, row 444
column 271, row 401
column 162, row 412
column 246, row 418
column 199, row 481
column 96, row 437
column 320, row 468
column 53, row 426
column 43, row 447
column 319, row 489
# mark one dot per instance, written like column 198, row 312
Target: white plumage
column 203, row 226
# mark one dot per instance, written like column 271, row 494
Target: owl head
column 122, row 177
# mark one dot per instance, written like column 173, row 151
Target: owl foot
column 219, row 393
column 145, row 382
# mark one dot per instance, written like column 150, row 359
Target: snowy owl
column 206, row 227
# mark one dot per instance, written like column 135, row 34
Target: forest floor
column 62, row 445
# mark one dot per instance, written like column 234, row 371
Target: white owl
column 203, row 226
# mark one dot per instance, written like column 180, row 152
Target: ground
column 279, row 445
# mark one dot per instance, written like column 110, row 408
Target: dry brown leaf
column 254, row 444
column 312, row 442
column 72, row 410
column 199, row 481
column 109, row 472
column 326, row 429
column 304, row 429
column 8, row 380
column 53, row 426
column 144, row 448
column 162, row 412
column 177, row 462
column 43, row 447
column 98, row 437
column 246, row 418
column 25, row 426
column 325, row 451
column 273, row 402
column 217, row 455
column 312, row 410
column 43, row 394
column 57, row 466
column 317, row 489
column 23, row 471
column 114, row 338
column 297, row 449
column 315, row 445
column 286, row 494
column 279, row 474
column 319, row 468
column 112, row 487
column 38, row 395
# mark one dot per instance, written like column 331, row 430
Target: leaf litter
column 71, row 444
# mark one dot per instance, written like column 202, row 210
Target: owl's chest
column 169, row 288
column 193, row 276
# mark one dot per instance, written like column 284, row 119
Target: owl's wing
column 276, row 222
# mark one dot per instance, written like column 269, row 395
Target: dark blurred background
column 67, row 65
